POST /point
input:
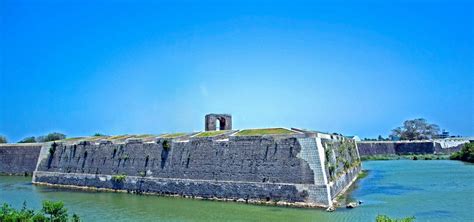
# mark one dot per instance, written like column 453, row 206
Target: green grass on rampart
column 211, row 133
column 172, row 135
column 268, row 131
column 406, row 157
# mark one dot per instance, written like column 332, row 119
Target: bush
column 3, row 139
column 99, row 134
column 50, row 212
column 31, row 139
column 51, row 137
column 166, row 145
column 119, row 178
column 465, row 154
column 385, row 218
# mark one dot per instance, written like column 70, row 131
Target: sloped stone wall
column 287, row 168
column 18, row 159
column 370, row 148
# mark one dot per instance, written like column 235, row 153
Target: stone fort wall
column 370, row 148
column 287, row 168
column 18, row 159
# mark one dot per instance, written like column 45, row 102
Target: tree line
column 40, row 139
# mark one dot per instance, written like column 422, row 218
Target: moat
column 429, row 190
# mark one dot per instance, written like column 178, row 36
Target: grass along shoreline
column 406, row 157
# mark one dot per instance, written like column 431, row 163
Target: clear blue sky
column 123, row 67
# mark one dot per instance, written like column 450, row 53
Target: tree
column 51, row 137
column 51, row 212
column 465, row 154
column 31, row 139
column 55, row 210
column 416, row 129
column 3, row 139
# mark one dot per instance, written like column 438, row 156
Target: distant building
column 443, row 135
column 394, row 138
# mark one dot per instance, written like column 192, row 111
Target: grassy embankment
column 268, row 131
column 406, row 157
column 212, row 133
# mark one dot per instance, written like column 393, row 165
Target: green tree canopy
column 465, row 154
column 30, row 139
column 3, row 139
column 51, row 137
column 416, row 129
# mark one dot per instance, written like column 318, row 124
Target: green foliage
column 3, row 139
column 119, row 178
column 51, row 137
column 142, row 173
column 416, row 129
column 362, row 174
column 50, row 212
column 465, row 154
column 211, row 133
column 385, row 218
column 166, row 145
column 30, row 139
column 99, row 134
column 52, row 149
column 347, row 165
column 269, row 131
column 331, row 169
column 55, row 210
column 173, row 135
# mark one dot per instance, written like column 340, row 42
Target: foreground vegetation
column 384, row 218
column 465, row 154
column 50, row 212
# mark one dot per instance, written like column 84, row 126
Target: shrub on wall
column 166, row 145
column 119, row 178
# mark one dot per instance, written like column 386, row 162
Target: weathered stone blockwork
column 290, row 168
column 18, row 159
column 371, row 148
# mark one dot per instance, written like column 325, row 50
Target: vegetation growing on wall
column 119, row 178
column 341, row 156
column 465, row 154
column 166, row 145
column 50, row 212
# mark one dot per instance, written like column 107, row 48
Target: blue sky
column 123, row 67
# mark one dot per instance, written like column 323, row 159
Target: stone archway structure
column 225, row 122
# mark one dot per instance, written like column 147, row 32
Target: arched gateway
column 225, row 122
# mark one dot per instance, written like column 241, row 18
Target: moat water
column 436, row 190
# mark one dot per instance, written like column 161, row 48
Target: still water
column 436, row 190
